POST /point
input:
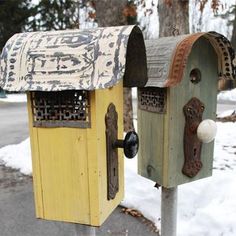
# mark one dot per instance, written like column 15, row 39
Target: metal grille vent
column 152, row 99
column 61, row 109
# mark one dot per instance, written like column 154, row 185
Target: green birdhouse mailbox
column 177, row 106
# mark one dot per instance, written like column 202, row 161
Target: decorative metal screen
column 61, row 109
column 152, row 99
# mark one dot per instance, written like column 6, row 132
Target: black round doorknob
column 130, row 144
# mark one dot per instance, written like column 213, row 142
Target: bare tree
column 231, row 13
column 111, row 13
column 173, row 17
column 233, row 39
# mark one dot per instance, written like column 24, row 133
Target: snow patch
column 14, row 98
column 205, row 207
column 226, row 113
column 227, row 96
column 148, row 19
column 208, row 20
column 17, row 156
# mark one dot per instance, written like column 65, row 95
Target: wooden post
column 168, row 211
column 84, row 230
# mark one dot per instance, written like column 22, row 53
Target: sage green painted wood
column 161, row 147
column 204, row 58
column 151, row 138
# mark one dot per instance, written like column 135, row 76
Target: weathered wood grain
column 204, row 58
column 69, row 165
column 167, row 57
column 161, row 136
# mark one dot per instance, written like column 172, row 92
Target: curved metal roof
column 167, row 57
column 74, row 59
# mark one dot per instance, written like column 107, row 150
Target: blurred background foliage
column 40, row 15
column 33, row 15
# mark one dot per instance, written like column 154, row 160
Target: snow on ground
column 226, row 113
column 205, row 207
column 229, row 95
column 14, row 98
column 17, row 156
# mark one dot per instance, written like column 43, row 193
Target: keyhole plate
column 111, row 118
column 193, row 111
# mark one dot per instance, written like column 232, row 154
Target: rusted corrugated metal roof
column 73, row 59
column 167, row 57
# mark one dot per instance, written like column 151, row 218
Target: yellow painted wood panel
column 93, row 173
column 64, row 174
column 60, row 172
column 38, row 199
column 103, row 99
column 70, row 166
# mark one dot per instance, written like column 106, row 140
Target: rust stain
column 222, row 47
column 193, row 111
column 179, row 60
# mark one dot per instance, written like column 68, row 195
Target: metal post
column 84, row 230
column 168, row 211
column 2, row 93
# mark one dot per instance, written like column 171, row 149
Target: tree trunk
column 110, row 13
column 233, row 39
column 173, row 17
column 232, row 83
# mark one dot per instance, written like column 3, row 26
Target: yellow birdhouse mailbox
column 74, row 89
column 181, row 91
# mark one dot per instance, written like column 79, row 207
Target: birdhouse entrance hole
column 61, row 109
column 195, row 76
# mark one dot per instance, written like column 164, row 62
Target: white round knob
column 206, row 131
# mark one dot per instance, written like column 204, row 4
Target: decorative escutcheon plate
column 193, row 111
column 111, row 118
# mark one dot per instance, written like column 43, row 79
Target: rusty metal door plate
column 130, row 145
column 193, row 111
column 111, row 118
